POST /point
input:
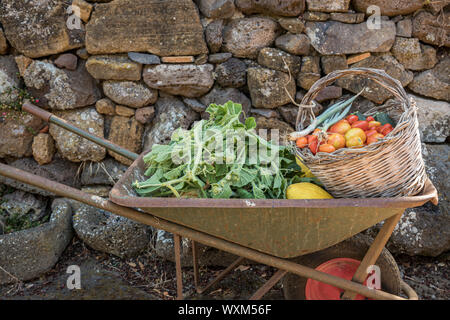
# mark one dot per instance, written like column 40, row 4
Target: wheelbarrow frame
column 351, row 287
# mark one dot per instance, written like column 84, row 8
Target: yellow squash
column 306, row 190
column 305, row 170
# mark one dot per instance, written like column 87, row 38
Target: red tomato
column 363, row 124
column 352, row 118
column 374, row 124
column 374, row 138
column 368, row 119
column 385, row 129
column 313, row 146
column 370, row 132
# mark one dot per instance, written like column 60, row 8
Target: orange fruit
column 337, row 140
column 355, row 132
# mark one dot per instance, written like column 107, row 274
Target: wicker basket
column 392, row 167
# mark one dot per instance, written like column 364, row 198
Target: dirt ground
column 145, row 277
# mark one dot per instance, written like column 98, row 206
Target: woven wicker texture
column 392, row 167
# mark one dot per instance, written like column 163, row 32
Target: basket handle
column 379, row 76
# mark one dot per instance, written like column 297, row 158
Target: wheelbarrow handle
column 51, row 118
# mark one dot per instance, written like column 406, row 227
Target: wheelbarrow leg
column 195, row 265
column 373, row 253
column 268, row 285
column 179, row 273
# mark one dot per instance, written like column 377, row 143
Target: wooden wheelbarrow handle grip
column 38, row 112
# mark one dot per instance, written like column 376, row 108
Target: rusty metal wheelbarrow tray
column 283, row 228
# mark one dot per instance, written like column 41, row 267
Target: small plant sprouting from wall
column 13, row 109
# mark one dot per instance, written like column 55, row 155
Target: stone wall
column 133, row 71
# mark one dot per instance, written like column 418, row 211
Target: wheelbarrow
column 316, row 245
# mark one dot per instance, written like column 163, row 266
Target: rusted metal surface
column 51, row 118
column 36, row 111
column 268, row 285
column 221, row 275
column 201, row 237
column 373, row 253
column 179, row 272
column 284, row 228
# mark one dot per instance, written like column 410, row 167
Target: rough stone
column 333, row 63
column 267, row 113
column 178, row 59
column 194, row 104
column 22, row 63
column 145, row 115
column 29, row 253
column 404, row 28
column 307, row 79
column 434, row 83
column 85, row 9
column 316, row 16
column 222, row 95
column 347, row 17
column 213, row 35
column 426, row 230
column 434, row 119
column 219, row 57
column 107, row 232
column 267, row 87
column 245, row 37
column 201, row 59
column 270, row 124
column 329, row 93
column 9, row 81
column 296, row 44
column 279, row 8
column 231, row 73
column 16, row 132
column 105, row 106
column 126, row 132
column 39, row 28
column 309, row 72
column 279, row 60
column 59, row 170
column 67, row 61
column 100, row 191
column 113, row 67
column 289, row 113
column 124, row 111
column 73, row 147
column 292, row 25
column 217, row 9
column 128, row 93
column 43, row 148
column 328, row 5
column 61, row 89
column 144, row 58
column 142, row 26
column 431, row 29
column 171, row 114
column 389, row 7
column 82, row 53
column 3, row 43
column 105, row 172
column 414, row 55
column 24, row 204
column 188, row 80
column 373, row 91
column 334, row 37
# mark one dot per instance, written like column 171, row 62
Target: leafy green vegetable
column 219, row 158
column 383, row 118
